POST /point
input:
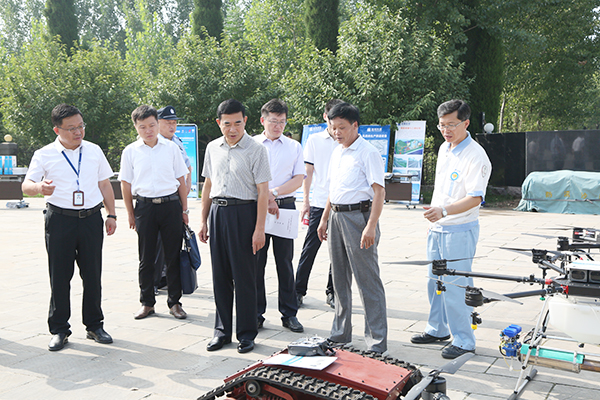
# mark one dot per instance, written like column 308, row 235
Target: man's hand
column 322, row 230
column 131, row 218
column 111, row 226
column 258, row 241
column 46, row 188
column 305, row 210
column 273, row 208
column 433, row 214
column 367, row 238
column 186, row 219
column 203, row 233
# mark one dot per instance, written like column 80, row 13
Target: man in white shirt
column 356, row 196
column 153, row 171
column 72, row 174
column 287, row 171
column 462, row 173
column 317, row 153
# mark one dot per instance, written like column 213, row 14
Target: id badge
column 78, row 198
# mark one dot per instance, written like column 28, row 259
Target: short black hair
column 461, row 106
column 63, row 111
column 346, row 111
column 332, row 103
column 143, row 112
column 231, row 106
column 274, row 106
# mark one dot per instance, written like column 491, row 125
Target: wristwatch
column 275, row 192
column 186, row 212
column 112, row 216
column 444, row 212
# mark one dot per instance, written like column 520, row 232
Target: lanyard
column 72, row 166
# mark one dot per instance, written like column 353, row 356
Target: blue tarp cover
column 565, row 192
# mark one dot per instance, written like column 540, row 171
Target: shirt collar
column 263, row 138
column 354, row 146
column 462, row 145
column 161, row 140
column 60, row 148
column 325, row 134
column 243, row 142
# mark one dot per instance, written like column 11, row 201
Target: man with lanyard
column 234, row 196
column 462, row 173
column 72, row 174
column 287, row 169
column 356, row 196
column 167, row 126
column 317, row 153
column 153, row 171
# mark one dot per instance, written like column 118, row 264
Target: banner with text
column 408, row 153
column 379, row 137
column 189, row 137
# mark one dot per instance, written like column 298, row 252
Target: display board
column 189, row 137
column 408, row 153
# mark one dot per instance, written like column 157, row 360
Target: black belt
column 363, row 206
column 285, row 200
column 228, row 201
column 74, row 213
column 157, row 200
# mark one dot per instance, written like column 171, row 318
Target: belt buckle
column 157, row 200
column 83, row 213
column 222, row 202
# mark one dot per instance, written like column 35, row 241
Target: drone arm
column 530, row 293
column 527, row 279
column 552, row 266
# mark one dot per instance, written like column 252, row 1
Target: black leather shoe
column 452, row 351
column 217, row 343
column 299, row 299
column 100, row 336
column 259, row 323
column 330, row 300
column 245, row 345
column 292, row 324
column 424, row 338
column 58, row 341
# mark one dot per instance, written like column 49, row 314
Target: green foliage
column 322, row 22
column 98, row 82
column 390, row 69
column 15, row 22
column 62, row 21
column 207, row 14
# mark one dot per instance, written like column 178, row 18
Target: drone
column 571, row 304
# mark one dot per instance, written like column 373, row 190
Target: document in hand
column 286, row 226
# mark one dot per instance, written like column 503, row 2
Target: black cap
column 167, row 112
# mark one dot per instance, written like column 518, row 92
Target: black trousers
column 150, row 219
column 311, row 246
column 70, row 240
column 283, row 251
column 234, row 268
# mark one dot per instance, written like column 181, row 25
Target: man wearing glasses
column 462, row 173
column 72, row 174
column 287, row 170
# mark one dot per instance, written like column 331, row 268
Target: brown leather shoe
column 143, row 312
column 178, row 312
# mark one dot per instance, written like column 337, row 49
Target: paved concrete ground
column 164, row 358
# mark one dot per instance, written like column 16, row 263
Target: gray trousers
column 347, row 258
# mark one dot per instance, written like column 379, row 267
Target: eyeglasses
column 272, row 121
column 449, row 127
column 73, row 130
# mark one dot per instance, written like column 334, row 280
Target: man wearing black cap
column 167, row 125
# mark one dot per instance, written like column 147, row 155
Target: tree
column 16, row 19
column 322, row 23
column 98, row 82
column 207, row 14
column 62, row 21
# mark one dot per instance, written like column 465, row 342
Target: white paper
column 318, row 363
column 286, row 226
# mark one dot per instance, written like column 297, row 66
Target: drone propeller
column 529, row 251
column 538, row 235
column 486, row 293
column 449, row 368
column 425, row 262
column 568, row 228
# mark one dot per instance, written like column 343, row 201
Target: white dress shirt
column 49, row 163
column 353, row 171
column 285, row 160
column 460, row 172
column 152, row 171
column 317, row 152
